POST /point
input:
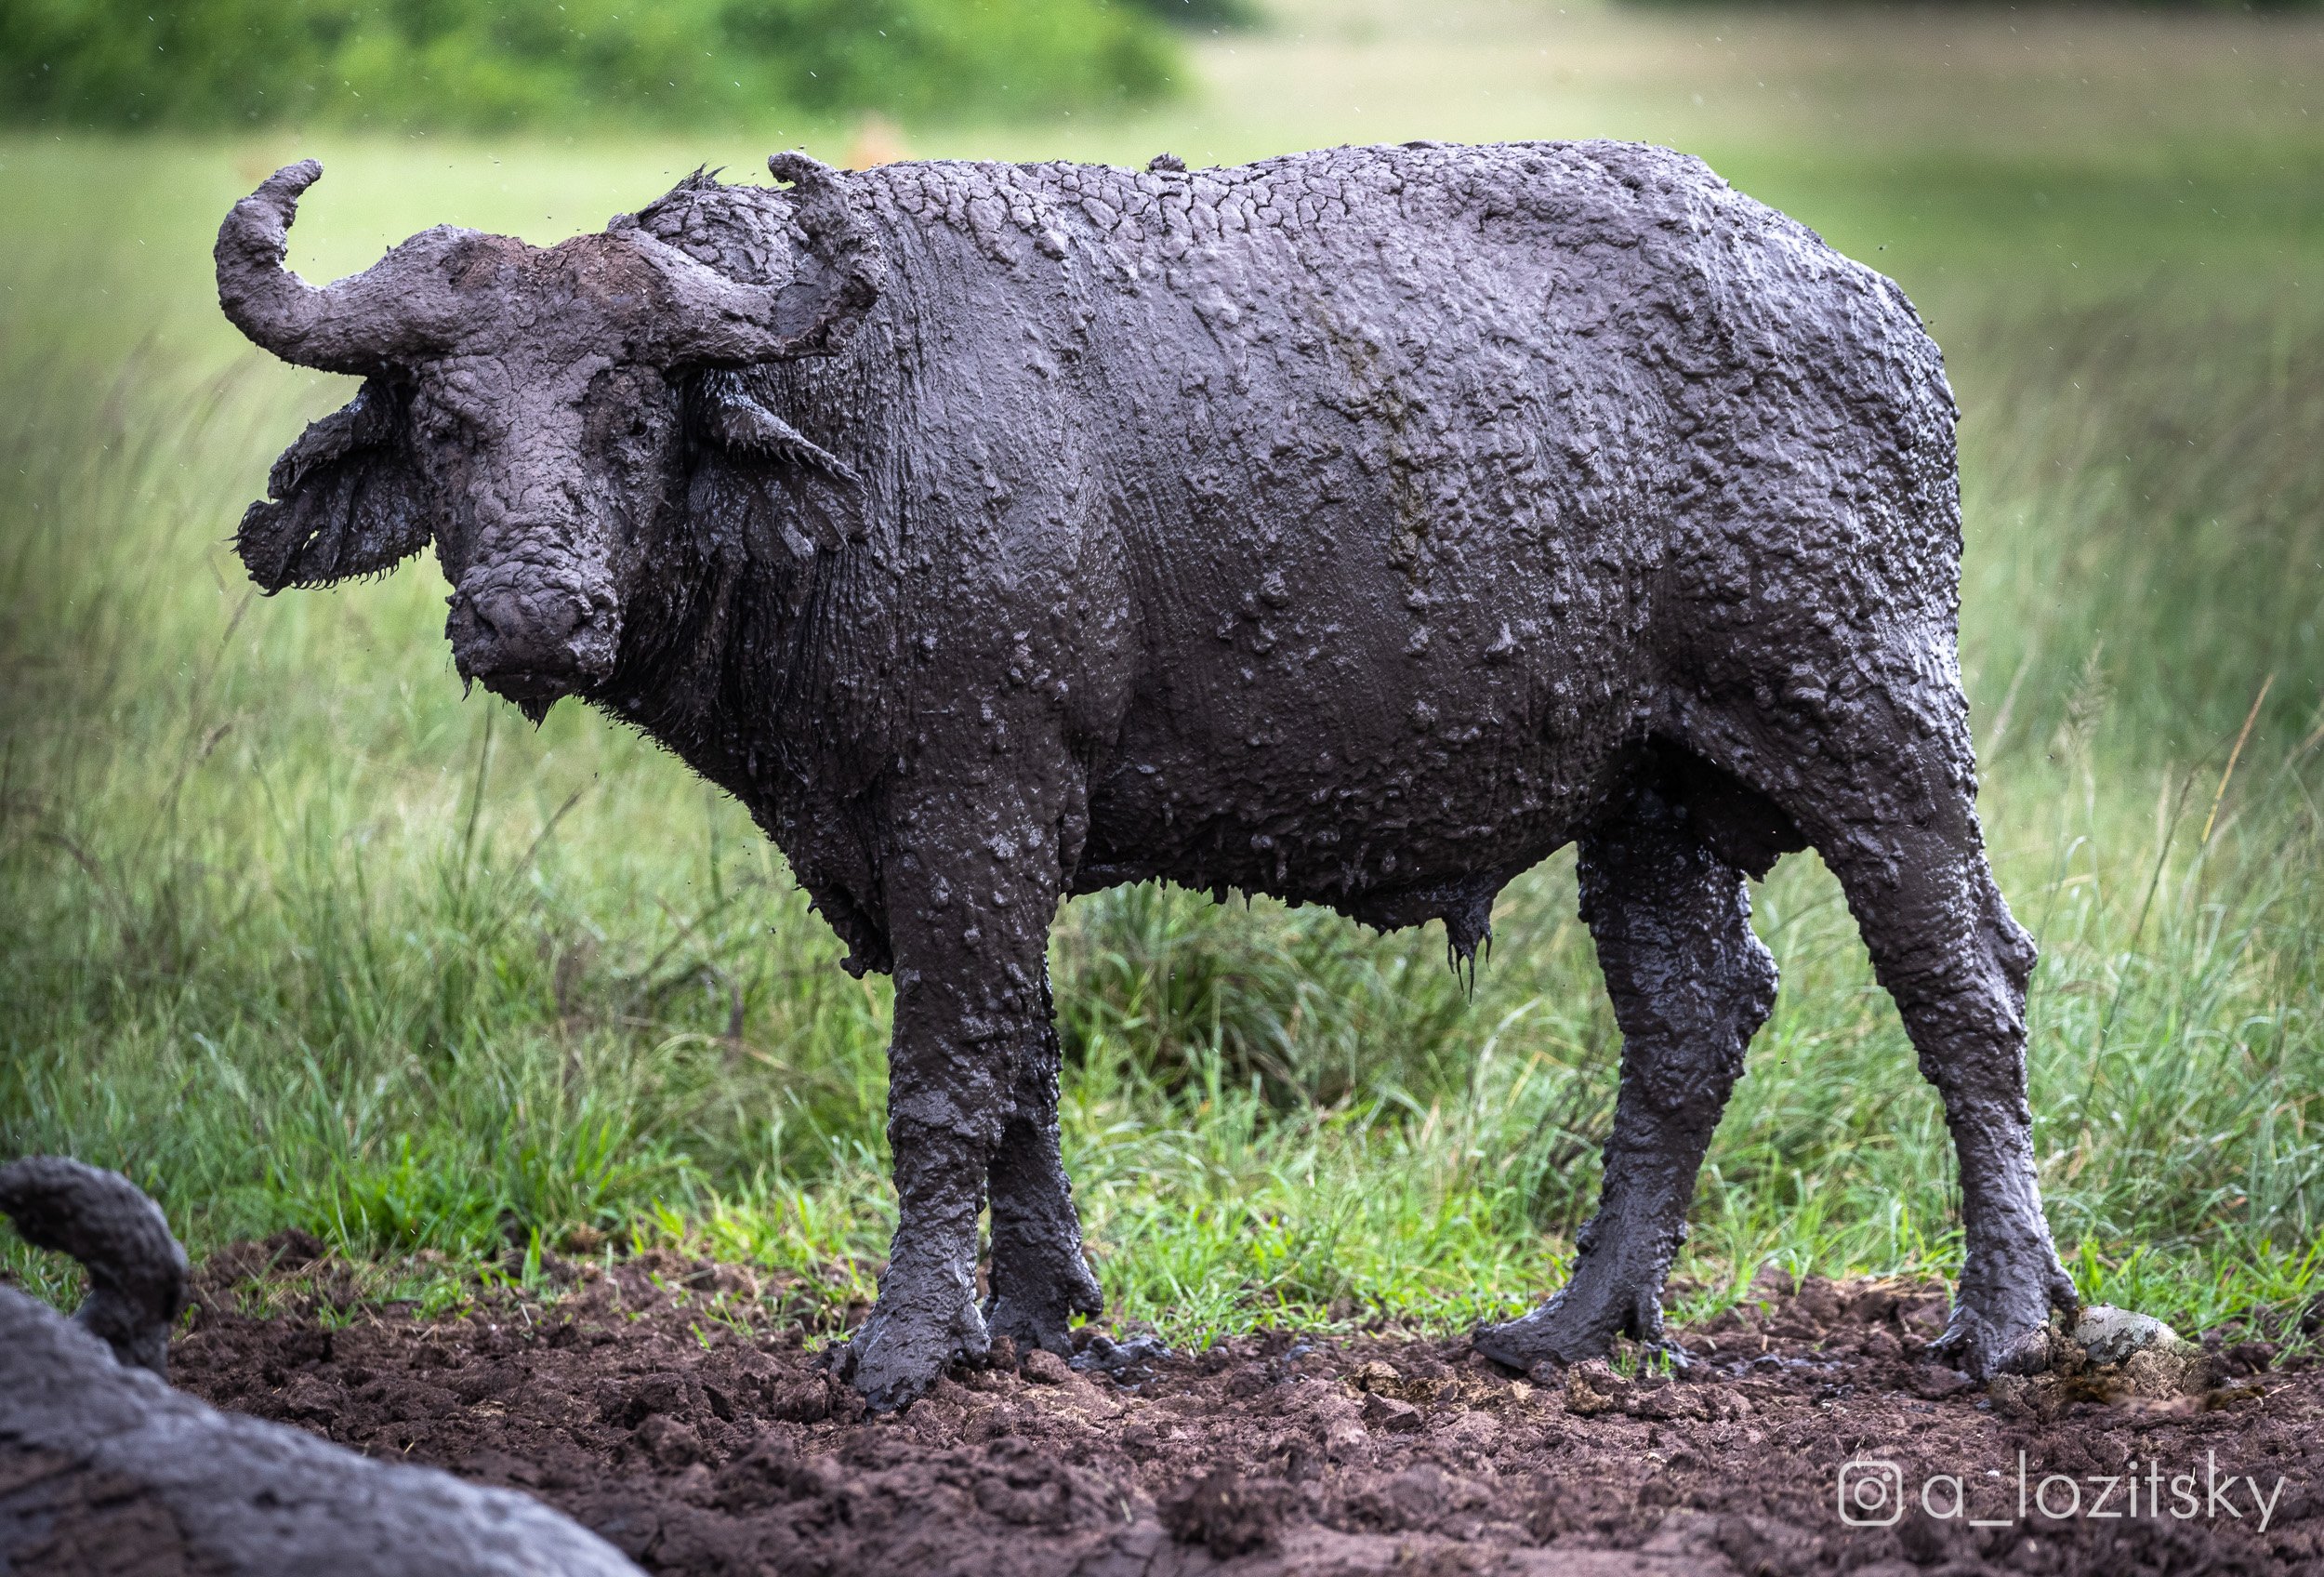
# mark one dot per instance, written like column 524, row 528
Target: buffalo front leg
column 1041, row 1279
column 1690, row 984
column 969, row 936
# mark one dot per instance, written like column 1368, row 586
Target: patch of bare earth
column 701, row 1446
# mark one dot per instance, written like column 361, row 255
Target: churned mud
column 701, row 1443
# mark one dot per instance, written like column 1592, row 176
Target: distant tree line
column 481, row 64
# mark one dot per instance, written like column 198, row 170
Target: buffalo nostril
column 531, row 619
column 538, row 629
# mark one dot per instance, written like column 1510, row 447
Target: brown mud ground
column 704, row 1439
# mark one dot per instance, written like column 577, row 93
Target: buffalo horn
column 393, row 313
column 722, row 320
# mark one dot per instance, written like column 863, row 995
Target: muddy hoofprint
column 1357, row 527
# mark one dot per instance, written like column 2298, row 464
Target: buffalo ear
column 343, row 500
column 786, row 489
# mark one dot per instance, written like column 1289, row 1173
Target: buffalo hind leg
column 1885, row 786
column 1691, row 985
column 1945, row 946
column 1039, row 1278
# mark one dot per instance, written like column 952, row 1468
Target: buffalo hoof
column 1037, row 1311
column 908, row 1345
column 2002, row 1326
column 1561, row 1331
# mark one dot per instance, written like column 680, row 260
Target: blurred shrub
column 409, row 63
column 1202, row 13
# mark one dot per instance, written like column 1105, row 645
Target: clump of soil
column 703, row 1441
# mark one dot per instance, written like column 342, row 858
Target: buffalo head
column 529, row 411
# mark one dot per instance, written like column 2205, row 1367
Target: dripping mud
column 666, row 1404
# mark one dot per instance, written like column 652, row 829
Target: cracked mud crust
column 701, row 1444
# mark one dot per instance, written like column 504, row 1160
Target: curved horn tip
column 291, row 179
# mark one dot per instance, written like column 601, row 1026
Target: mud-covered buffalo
column 1357, row 527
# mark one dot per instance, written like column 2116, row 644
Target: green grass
column 295, row 934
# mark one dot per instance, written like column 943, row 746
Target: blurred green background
column 297, row 934
column 436, row 64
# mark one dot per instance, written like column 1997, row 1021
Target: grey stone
column 2110, row 1335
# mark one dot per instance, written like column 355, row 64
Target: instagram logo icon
column 1872, row 1493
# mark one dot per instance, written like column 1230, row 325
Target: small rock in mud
column 2116, row 1354
column 2110, row 1335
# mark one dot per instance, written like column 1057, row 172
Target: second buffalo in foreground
column 1357, row 527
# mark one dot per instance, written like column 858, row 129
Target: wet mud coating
column 105, row 1471
column 1357, row 527
column 704, row 1439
